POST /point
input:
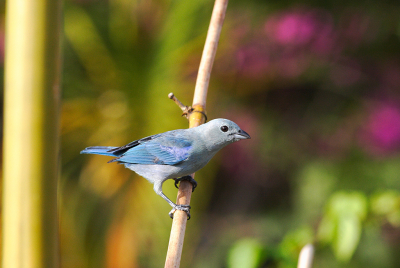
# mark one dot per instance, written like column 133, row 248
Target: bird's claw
column 186, row 178
column 185, row 208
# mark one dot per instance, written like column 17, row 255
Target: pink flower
column 295, row 28
column 382, row 130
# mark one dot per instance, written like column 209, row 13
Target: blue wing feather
column 167, row 149
column 103, row 150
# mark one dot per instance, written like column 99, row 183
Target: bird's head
column 221, row 132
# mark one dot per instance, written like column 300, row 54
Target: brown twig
column 196, row 116
column 187, row 110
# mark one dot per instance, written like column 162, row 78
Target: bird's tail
column 103, row 150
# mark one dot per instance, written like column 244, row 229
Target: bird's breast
column 196, row 161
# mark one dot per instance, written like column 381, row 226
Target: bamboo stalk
column 209, row 51
column 31, row 122
column 196, row 118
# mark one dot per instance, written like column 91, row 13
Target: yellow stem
column 31, row 122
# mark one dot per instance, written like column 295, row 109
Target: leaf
column 385, row 202
column 342, row 224
column 347, row 237
column 349, row 203
column 245, row 253
column 292, row 244
column 326, row 229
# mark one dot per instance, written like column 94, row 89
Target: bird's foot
column 185, row 208
column 186, row 178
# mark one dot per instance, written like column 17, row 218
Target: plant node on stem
column 187, row 110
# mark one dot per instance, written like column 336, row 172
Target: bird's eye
column 224, row 128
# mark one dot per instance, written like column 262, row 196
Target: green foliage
column 341, row 225
column 347, row 215
column 246, row 253
column 291, row 245
column 387, row 204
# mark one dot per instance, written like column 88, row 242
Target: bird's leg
column 175, row 207
column 186, row 178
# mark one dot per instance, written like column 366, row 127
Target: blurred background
column 315, row 83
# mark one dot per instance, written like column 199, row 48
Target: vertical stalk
column 31, row 122
column 196, row 118
column 306, row 256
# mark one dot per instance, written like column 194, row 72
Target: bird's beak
column 241, row 135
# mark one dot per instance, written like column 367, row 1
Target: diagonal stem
column 196, row 118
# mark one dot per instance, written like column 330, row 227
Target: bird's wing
column 164, row 149
column 123, row 149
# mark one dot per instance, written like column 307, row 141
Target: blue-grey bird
column 174, row 154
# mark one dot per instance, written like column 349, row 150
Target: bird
column 174, row 154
